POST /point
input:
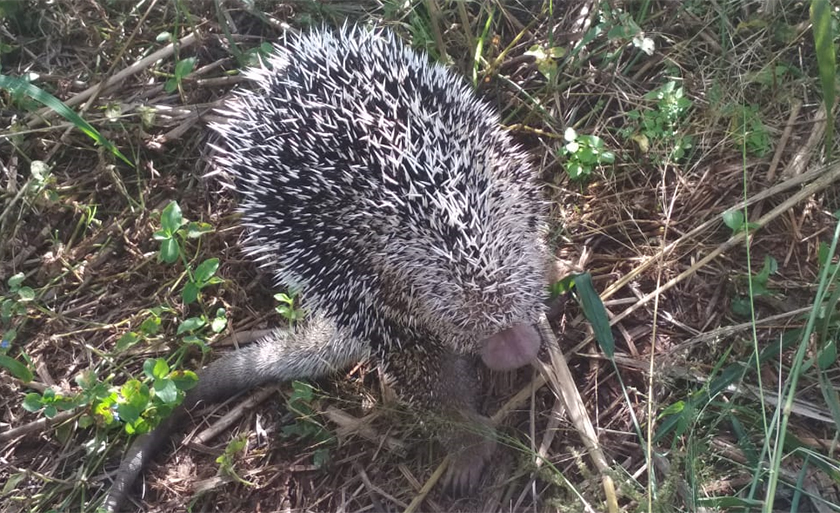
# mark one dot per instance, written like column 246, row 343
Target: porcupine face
column 380, row 182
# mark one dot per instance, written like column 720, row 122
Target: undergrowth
column 690, row 164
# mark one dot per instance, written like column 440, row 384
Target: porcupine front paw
column 470, row 448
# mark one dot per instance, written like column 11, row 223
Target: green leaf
column 214, row 280
column 190, row 292
column 734, row 219
column 191, row 324
column 32, row 402
column 219, row 321
column 741, row 306
column 206, row 269
column 827, row 355
column 26, row 293
column 587, row 156
column 127, row 340
column 16, row 368
column 166, row 390
column 160, row 369
column 673, row 409
column 821, row 12
column 195, row 229
column 129, row 413
column 8, row 337
column 171, row 218
column 302, row 391
column 169, row 250
column 86, row 380
column 593, row 309
column 17, row 85
column 151, row 326
column 575, row 170
column 184, row 67
column 184, row 379
column 170, row 85
column 15, row 281
column 196, row 341
column 321, row 457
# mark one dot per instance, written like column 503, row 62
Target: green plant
column 141, row 407
column 736, row 221
column 203, row 276
column 255, row 56
column 741, row 304
column 21, row 87
column 13, row 304
column 42, row 181
column 227, row 459
column 748, row 130
column 287, row 307
column 135, row 405
column 546, row 59
column 824, row 35
column 182, row 69
column 659, row 129
column 305, row 427
column 583, row 153
column 175, row 230
column 194, row 327
column 148, row 328
column 625, row 28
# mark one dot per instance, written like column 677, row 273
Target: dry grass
column 649, row 230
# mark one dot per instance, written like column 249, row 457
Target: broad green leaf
column 190, row 293
column 734, row 219
column 26, row 293
column 191, row 324
column 127, row 340
column 171, row 218
column 184, row 379
column 15, row 281
column 169, row 250
column 32, row 402
column 16, row 368
column 184, row 67
column 166, row 390
column 206, row 269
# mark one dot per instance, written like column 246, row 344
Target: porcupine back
column 381, row 183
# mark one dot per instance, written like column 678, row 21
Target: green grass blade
column 593, row 309
column 824, row 42
column 18, row 85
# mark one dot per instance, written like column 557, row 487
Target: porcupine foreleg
column 443, row 387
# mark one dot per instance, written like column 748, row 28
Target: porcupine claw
column 470, row 451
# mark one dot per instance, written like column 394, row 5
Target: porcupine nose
column 511, row 348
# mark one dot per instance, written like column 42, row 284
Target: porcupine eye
column 511, row 348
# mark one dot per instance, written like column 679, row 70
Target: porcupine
column 381, row 185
